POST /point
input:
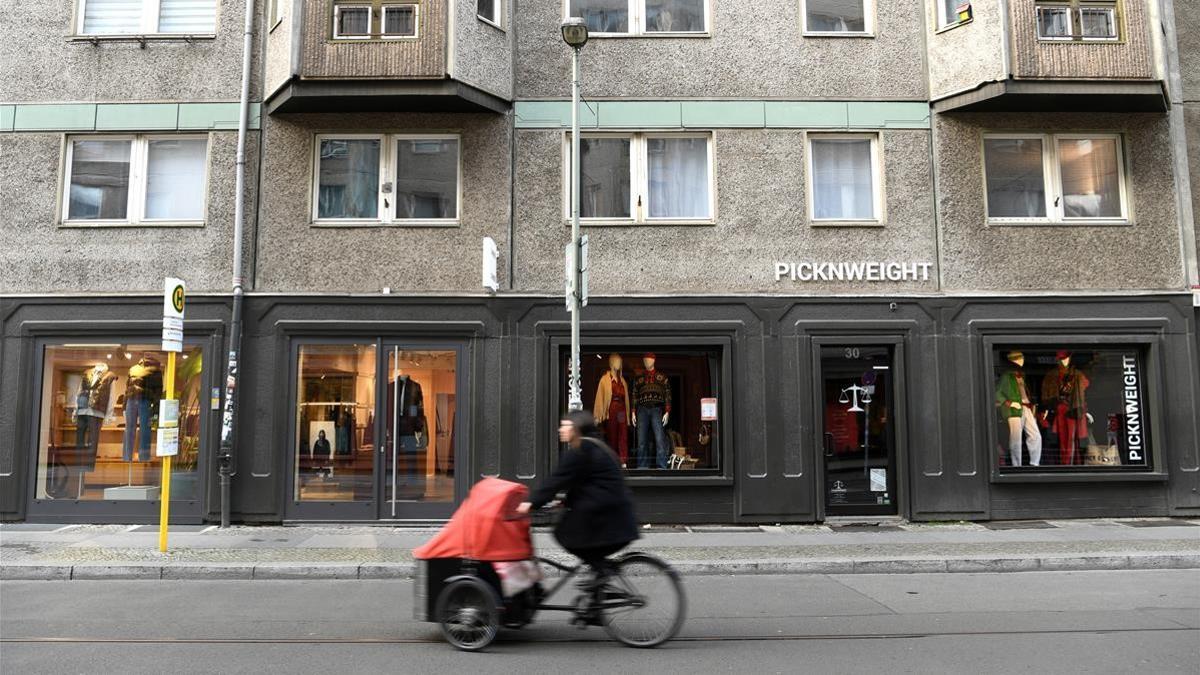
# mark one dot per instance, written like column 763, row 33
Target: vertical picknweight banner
column 1133, row 437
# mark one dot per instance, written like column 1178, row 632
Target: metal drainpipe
column 225, row 454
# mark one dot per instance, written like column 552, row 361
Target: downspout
column 226, row 456
column 512, row 146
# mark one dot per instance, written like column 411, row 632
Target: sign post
column 174, row 295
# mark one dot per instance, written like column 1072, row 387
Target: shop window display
column 99, row 422
column 335, row 423
column 1071, row 409
column 657, row 409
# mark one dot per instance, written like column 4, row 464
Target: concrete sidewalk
column 47, row 551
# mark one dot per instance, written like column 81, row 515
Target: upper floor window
column 845, row 177
column 643, row 177
column 491, row 11
column 366, row 20
column 838, row 17
column 953, row 12
column 396, row 178
column 147, row 17
column 641, row 17
column 135, row 179
column 1055, row 177
column 1086, row 20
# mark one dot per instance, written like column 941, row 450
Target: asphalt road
column 1048, row 622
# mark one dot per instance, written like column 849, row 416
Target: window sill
column 655, row 35
column 666, row 222
column 152, row 37
column 1080, row 477
column 275, row 24
column 636, row 481
column 491, row 23
column 1079, row 41
column 87, row 225
column 951, row 26
column 846, row 223
column 351, row 224
column 1059, row 223
column 846, row 34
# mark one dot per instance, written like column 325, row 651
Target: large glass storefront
column 1067, row 410
column 376, row 433
column 657, row 407
column 99, row 420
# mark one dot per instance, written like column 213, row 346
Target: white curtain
column 187, row 16
column 112, row 17
column 1016, row 187
column 678, row 174
column 175, row 179
column 836, row 16
column 842, row 182
column 664, row 16
column 603, row 16
column 1091, row 186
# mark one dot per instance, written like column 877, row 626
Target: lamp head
column 575, row 32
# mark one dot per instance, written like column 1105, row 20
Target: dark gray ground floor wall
column 770, row 467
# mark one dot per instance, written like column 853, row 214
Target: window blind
column 187, row 16
column 111, row 17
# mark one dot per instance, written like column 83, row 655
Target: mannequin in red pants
column 611, row 408
column 1064, row 388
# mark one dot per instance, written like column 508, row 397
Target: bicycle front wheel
column 642, row 604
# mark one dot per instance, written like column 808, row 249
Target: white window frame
column 139, row 161
column 868, row 23
column 639, row 178
column 1111, row 9
column 1052, row 179
column 385, row 204
column 416, row 9
column 637, row 22
column 947, row 20
column 277, row 12
column 1069, row 37
column 877, row 200
column 149, row 21
column 1075, row 20
column 337, row 11
column 497, row 20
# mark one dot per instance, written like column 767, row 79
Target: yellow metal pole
column 165, row 496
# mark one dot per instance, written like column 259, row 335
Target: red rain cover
column 481, row 528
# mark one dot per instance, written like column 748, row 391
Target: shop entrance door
column 419, row 415
column 858, row 438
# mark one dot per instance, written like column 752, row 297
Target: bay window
column 643, row 177
column 844, row 177
column 641, row 17
column 1054, row 177
column 147, row 17
column 838, row 17
column 135, row 179
column 387, row 179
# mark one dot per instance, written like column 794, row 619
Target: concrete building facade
column 919, row 259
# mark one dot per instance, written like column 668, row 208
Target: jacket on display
column 99, row 393
column 1008, row 391
column 599, row 505
column 604, row 394
column 412, row 406
column 1066, row 386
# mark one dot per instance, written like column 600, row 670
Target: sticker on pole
column 168, row 428
column 174, row 296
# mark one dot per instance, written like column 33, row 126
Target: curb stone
column 301, row 571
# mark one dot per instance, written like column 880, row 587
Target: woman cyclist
column 599, row 518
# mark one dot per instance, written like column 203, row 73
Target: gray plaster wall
column 277, row 49
column 296, row 256
column 981, row 257
column 50, row 66
column 483, row 53
column 1187, row 35
column 1191, row 122
column 761, row 218
column 966, row 56
column 755, row 50
column 40, row 256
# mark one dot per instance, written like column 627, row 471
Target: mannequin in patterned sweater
column 652, row 409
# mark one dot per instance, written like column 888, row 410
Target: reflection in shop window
column 335, row 423
column 657, row 408
column 1071, row 409
column 99, row 423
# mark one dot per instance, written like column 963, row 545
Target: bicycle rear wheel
column 468, row 614
column 643, row 604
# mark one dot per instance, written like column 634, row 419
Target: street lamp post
column 575, row 34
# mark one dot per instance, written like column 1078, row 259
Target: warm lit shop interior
column 338, row 434
column 99, row 422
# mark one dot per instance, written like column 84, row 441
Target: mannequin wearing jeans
column 652, row 401
column 1017, row 409
column 143, row 389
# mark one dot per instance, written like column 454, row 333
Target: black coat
column 599, row 504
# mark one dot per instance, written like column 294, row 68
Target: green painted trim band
column 725, row 114
column 124, row 116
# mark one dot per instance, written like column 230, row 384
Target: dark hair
column 583, row 422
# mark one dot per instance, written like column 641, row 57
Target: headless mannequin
column 652, row 405
column 612, row 407
column 1063, row 388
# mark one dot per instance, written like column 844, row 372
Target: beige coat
column 604, row 397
